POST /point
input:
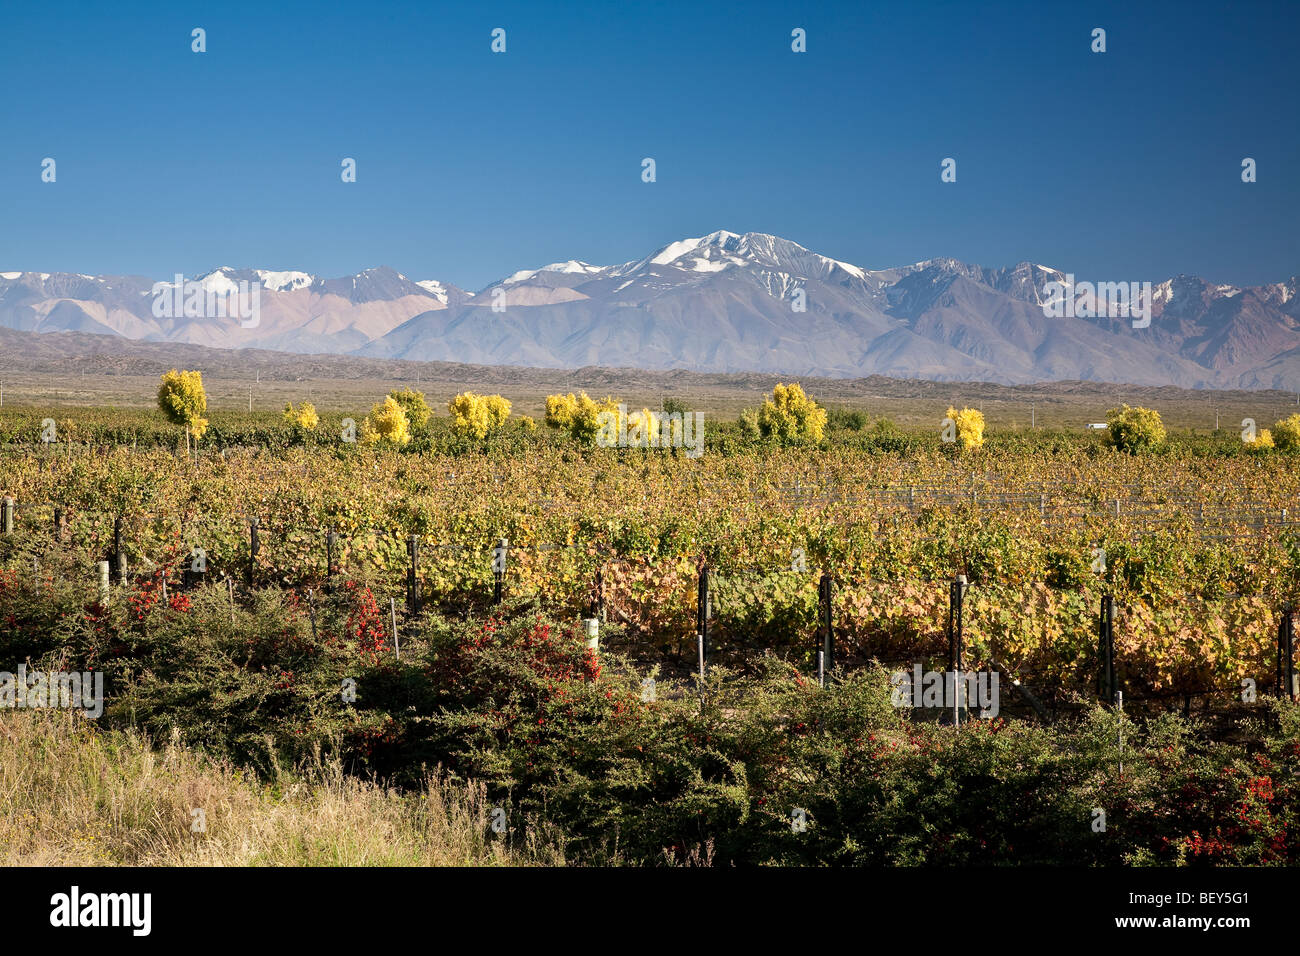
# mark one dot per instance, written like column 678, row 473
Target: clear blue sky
column 1123, row 165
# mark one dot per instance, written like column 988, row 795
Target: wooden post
column 103, row 582
column 956, row 640
column 1119, row 703
column 392, row 606
column 824, row 595
column 1108, row 685
column 331, row 541
column 254, row 546
column 499, row 569
column 1286, row 653
column 7, row 515
column 702, row 615
column 412, row 585
column 58, row 523
column 230, row 590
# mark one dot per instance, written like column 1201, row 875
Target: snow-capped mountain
column 723, row 302
column 299, row 312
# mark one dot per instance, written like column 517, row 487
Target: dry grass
column 71, row 795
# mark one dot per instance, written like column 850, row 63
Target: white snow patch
column 283, row 281
column 435, row 287
column 571, row 267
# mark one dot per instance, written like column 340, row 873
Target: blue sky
column 1122, row 165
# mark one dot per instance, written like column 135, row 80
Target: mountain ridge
column 726, row 302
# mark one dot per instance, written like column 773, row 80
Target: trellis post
column 1286, row 683
column 702, row 615
column 499, row 569
column 1108, row 686
column 824, row 597
column 254, row 546
column 412, row 586
column 956, row 640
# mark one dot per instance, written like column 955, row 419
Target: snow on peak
column 722, row 249
column 676, row 250
column 283, row 281
column 571, row 267
column 434, row 288
column 219, row 282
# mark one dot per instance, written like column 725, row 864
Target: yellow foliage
column 417, row 409
column 970, row 427
column 303, row 417
column 386, row 424
column 1135, row 429
column 1286, row 434
column 1263, row 441
column 183, row 400
column 791, row 416
column 477, row 416
column 578, row 415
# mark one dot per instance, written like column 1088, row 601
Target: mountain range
column 725, row 302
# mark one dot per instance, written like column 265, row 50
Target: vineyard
column 1201, row 553
column 395, row 552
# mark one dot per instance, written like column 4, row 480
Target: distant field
column 69, row 370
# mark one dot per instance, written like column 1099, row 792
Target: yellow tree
column 791, row 416
column 477, row 416
column 183, row 400
column 417, row 409
column 303, row 417
column 1286, row 434
column 386, row 424
column 1135, row 429
column 579, row 415
column 969, row 427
